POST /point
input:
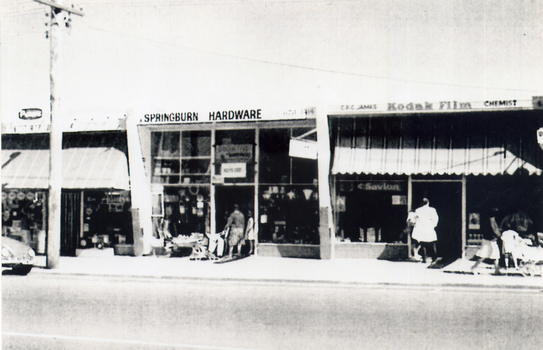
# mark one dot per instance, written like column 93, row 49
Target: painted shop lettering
column 358, row 107
column 171, row 117
column 247, row 114
column 368, row 186
column 443, row 105
column 506, row 103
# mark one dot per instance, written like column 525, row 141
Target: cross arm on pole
column 61, row 7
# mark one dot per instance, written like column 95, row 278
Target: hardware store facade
column 202, row 163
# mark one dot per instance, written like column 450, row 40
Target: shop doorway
column 71, row 222
column 446, row 198
column 227, row 196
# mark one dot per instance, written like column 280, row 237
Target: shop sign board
column 233, row 153
column 430, row 106
column 303, row 149
column 380, row 186
column 220, row 115
column 30, row 113
column 217, row 179
column 234, row 170
column 43, row 125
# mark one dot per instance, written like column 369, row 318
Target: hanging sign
column 231, row 170
column 233, row 153
column 303, row 149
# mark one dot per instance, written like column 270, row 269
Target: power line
column 302, row 67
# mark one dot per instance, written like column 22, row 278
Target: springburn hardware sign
column 238, row 115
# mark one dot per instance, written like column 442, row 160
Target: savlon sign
column 219, row 116
column 436, row 106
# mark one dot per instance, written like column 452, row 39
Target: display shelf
column 166, row 158
column 180, row 157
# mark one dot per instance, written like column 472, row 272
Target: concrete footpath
column 291, row 270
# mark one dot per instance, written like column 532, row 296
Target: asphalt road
column 67, row 312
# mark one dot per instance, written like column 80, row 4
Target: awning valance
column 92, row 168
column 411, row 161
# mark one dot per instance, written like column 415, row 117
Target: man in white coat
column 424, row 232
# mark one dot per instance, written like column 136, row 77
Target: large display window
column 106, row 219
column 181, row 165
column 186, row 210
column 202, row 173
column 234, row 155
column 24, row 216
column 371, row 210
column 181, row 157
column 288, row 191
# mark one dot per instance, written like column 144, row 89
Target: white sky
column 182, row 55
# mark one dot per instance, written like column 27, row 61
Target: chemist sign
column 233, row 170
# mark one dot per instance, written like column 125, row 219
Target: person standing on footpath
column 489, row 246
column 236, row 222
column 411, row 219
column 250, row 232
column 424, row 232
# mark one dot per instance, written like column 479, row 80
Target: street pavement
column 292, row 270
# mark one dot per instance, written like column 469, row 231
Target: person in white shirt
column 424, row 232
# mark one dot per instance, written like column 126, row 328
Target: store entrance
column 446, row 198
column 227, row 196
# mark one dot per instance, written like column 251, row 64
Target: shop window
column 274, row 159
column 304, row 171
column 289, row 214
column 107, row 219
column 234, row 155
column 276, row 166
column 181, row 157
column 186, row 210
column 23, row 217
column 371, row 211
column 289, row 205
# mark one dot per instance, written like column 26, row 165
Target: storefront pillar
column 140, row 190
column 409, row 208
column 212, row 202
column 323, row 144
column 256, row 206
column 464, row 216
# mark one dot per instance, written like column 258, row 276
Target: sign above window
column 219, row 116
column 429, row 106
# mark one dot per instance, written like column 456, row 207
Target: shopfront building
column 465, row 157
column 202, row 163
column 95, row 207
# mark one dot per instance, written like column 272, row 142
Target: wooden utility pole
column 59, row 15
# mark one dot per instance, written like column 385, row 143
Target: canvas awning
column 425, row 161
column 82, row 168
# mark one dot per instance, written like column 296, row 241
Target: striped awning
column 82, row 168
column 411, row 161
